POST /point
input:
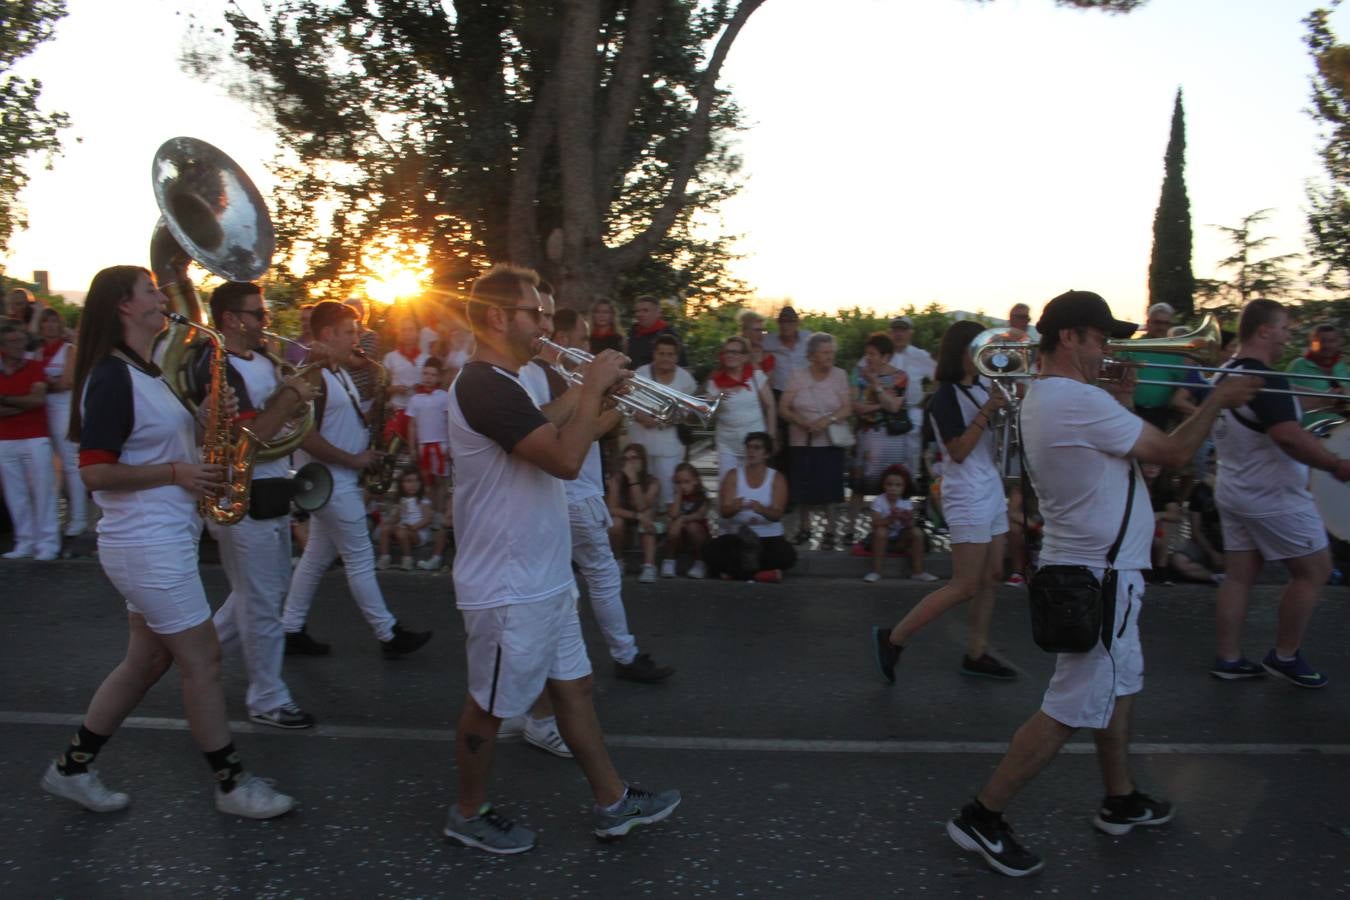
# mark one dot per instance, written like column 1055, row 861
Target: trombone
column 647, row 396
column 1007, row 353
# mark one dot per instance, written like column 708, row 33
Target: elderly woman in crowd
column 816, row 397
column 747, row 403
column 883, row 421
column 57, row 356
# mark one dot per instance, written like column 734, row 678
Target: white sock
column 614, row 807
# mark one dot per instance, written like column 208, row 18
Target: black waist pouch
column 1071, row 609
column 269, row 498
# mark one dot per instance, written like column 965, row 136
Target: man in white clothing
column 665, row 450
column 1082, row 448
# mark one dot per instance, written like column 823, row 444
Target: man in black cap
column 788, row 347
column 1081, row 447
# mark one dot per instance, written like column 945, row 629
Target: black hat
column 1078, row 309
column 787, row 314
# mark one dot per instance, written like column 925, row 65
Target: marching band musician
column 256, row 551
column 340, row 440
column 138, row 453
column 1265, row 508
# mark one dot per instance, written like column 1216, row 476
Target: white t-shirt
column 431, row 413
column 404, row 372
column 511, row 526
column 544, row 385
column 764, row 494
column 972, row 490
column 786, row 360
column 425, row 338
column 918, row 365
column 1256, row 477
column 258, row 378
column 739, row 414
column 1077, row 439
column 898, row 515
column 340, row 424
column 131, row 417
column 662, row 441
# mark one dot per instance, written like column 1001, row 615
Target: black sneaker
column 643, row 669
column 299, row 643
column 992, row 838
column 1232, row 671
column 404, row 642
column 885, row 653
column 1119, row 815
column 288, row 716
column 986, row 667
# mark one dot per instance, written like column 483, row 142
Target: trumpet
column 647, row 396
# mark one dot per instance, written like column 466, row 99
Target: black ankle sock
column 79, row 756
column 985, row 812
column 225, row 763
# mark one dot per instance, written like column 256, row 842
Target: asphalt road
column 803, row 772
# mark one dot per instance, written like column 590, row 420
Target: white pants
column 339, row 529
column 590, row 521
column 68, row 455
column 28, row 481
column 663, row 468
column 256, row 556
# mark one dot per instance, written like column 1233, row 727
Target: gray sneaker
column 639, row 807
column 85, row 789
column 489, row 831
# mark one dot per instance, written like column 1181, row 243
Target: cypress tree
column 1170, row 279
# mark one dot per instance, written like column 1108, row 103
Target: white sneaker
column 253, row 798
column 407, row 564
column 383, row 562
column 16, row 554
column 86, row 790
column 667, row 568
column 698, row 569
column 648, row 574
column 923, row 576
column 545, row 736
column 430, row 565
column 47, row 557
column 511, row 729
column 872, row 577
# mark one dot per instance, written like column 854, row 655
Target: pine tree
column 1329, row 199
column 1170, row 279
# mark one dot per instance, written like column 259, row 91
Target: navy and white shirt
column 972, row 490
column 1256, row 477
column 254, row 379
column 514, row 542
column 131, row 416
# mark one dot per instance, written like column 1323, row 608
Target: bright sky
column 976, row 154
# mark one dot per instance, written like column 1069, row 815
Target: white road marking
column 679, row 742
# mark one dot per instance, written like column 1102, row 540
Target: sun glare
column 394, row 274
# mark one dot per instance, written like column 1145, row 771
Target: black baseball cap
column 1080, row 309
column 787, row 314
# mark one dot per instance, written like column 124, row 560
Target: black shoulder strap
column 1125, row 522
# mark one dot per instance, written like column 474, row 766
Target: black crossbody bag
column 1070, row 608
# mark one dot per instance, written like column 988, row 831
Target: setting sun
column 395, row 274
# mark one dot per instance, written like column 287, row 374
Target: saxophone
column 380, row 480
column 228, row 503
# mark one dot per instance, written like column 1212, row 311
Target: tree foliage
column 578, row 136
column 25, row 131
column 1329, row 199
column 1170, row 279
column 1251, row 275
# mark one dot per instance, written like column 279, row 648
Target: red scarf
column 1327, row 368
column 766, row 363
column 410, row 357
column 599, row 332
column 51, row 348
column 726, row 381
column 653, row 328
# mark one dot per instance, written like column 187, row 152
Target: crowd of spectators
column 841, row 454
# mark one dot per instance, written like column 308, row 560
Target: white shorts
column 514, row 650
column 980, row 533
column 159, row 582
column 1286, row 535
column 1084, row 688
